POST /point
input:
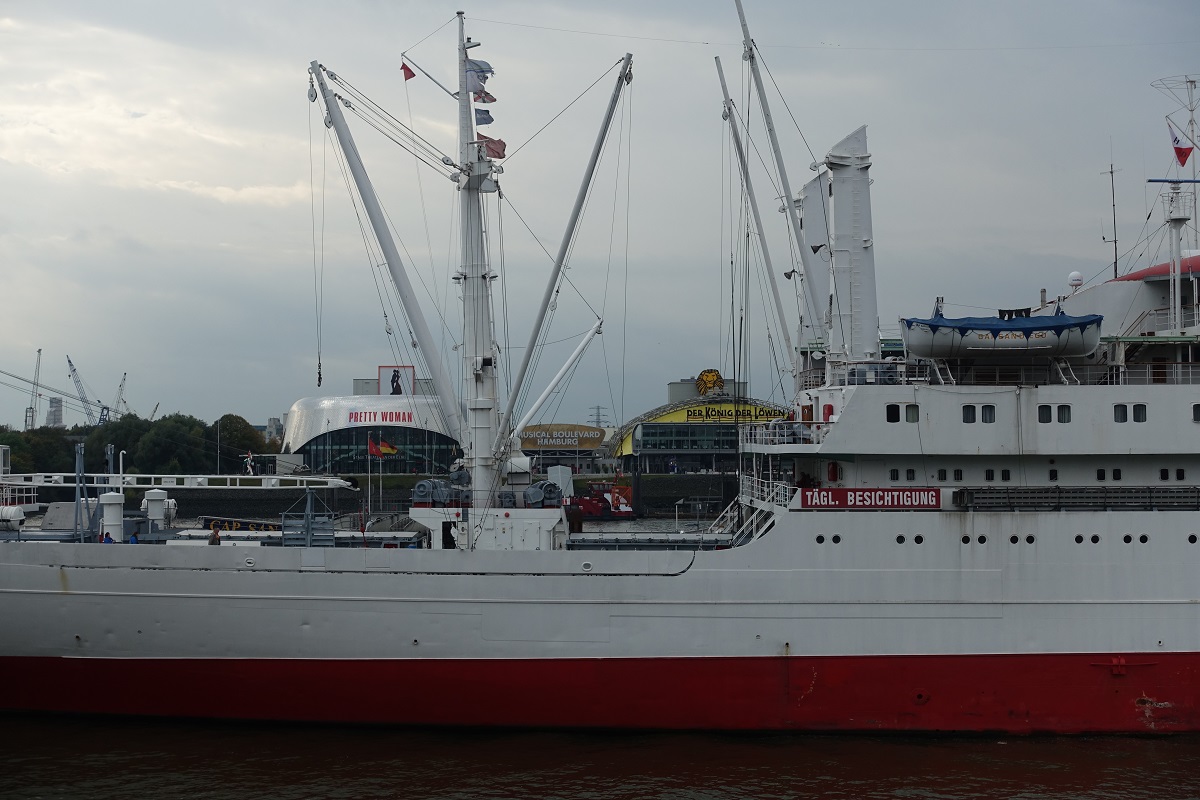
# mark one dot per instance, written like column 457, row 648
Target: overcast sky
column 159, row 164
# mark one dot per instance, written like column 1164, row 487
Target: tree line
column 177, row 444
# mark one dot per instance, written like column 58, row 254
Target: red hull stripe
column 1132, row 693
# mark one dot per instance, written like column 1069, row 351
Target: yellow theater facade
column 694, row 435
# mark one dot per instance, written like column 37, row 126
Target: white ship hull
column 781, row 632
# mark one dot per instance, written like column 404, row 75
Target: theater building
column 393, row 426
column 696, row 431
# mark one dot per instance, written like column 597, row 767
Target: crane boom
column 83, row 398
column 31, row 412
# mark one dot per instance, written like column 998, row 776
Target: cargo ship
column 956, row 539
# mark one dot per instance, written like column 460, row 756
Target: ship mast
column 816, row 286
column 478, row 352
column 731, row 117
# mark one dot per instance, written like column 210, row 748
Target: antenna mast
column 1112, row 183
column 1182, row 89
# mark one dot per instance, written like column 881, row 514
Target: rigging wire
column 431, row 33
column 318, row 251
column 834, row 295
column 617, row 173
column 377, row 261
column 566, row 108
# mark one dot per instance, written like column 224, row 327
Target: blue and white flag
column 477, row 74
column 483, row 116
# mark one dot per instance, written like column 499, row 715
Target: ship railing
column 783, row 432
column 885, row 372
column 133, row 481
column 1158, row 320
column 768, row 491
column 740, row 523
column 17, row 495
column 1082, row 498
column 1160, row 372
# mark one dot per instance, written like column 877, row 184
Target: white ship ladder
column 1065, row 373
column 938, row 365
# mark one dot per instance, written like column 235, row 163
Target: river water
column 84, row 758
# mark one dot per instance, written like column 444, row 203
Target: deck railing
column 774, row 492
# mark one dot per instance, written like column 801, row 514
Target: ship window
column 989, row 474
column 912, row 412
column 958, row 474
column 1045, row 414
column 1053, row 474
column 1139, row 412
column 910, row 474
column 1178, row 474
column 1195, row 412
column 1099, row 474
column 1005, row 475
column 1116, row 474
column 988, row 413
column 894, row 475
column 1120, row 413
column 1164, row 474
column 893, row 412
column 968, row 414
column 941, row 474
column 1064, row 413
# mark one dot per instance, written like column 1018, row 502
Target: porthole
column 919, row 539
column 837, row 539
column 1078, row 540
column 1013, row 539
column 1143, row 538
column 1128, row 538
column 1192, row 539
column 982, row 540
column 900, row 539
column 966, row 540
column 1095, row 539
column 820, row 540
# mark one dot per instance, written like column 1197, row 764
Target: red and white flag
column 1183, row 148
column 373, row 449
column 493, row 147
column 406, row 71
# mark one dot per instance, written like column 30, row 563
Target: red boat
column 604, row 500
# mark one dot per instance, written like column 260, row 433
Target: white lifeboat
column 971, row 337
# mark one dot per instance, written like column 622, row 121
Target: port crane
column 83, row 398
column 31, row 412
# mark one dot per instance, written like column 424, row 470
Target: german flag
column 386, row 449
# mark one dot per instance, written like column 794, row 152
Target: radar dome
column 1075, row 280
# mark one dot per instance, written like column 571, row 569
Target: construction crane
column 83, row 398
column 31, row 412
column 154, row 412
column 117, row 404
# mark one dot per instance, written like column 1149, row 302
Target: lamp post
column 637, row 471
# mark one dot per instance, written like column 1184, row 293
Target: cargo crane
column 83, row 398
column 119, row 405
column 31, row 412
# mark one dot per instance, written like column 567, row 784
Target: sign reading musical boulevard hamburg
column 561, row 437
column 867, row 499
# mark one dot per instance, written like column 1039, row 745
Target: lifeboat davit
column 971, row 337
